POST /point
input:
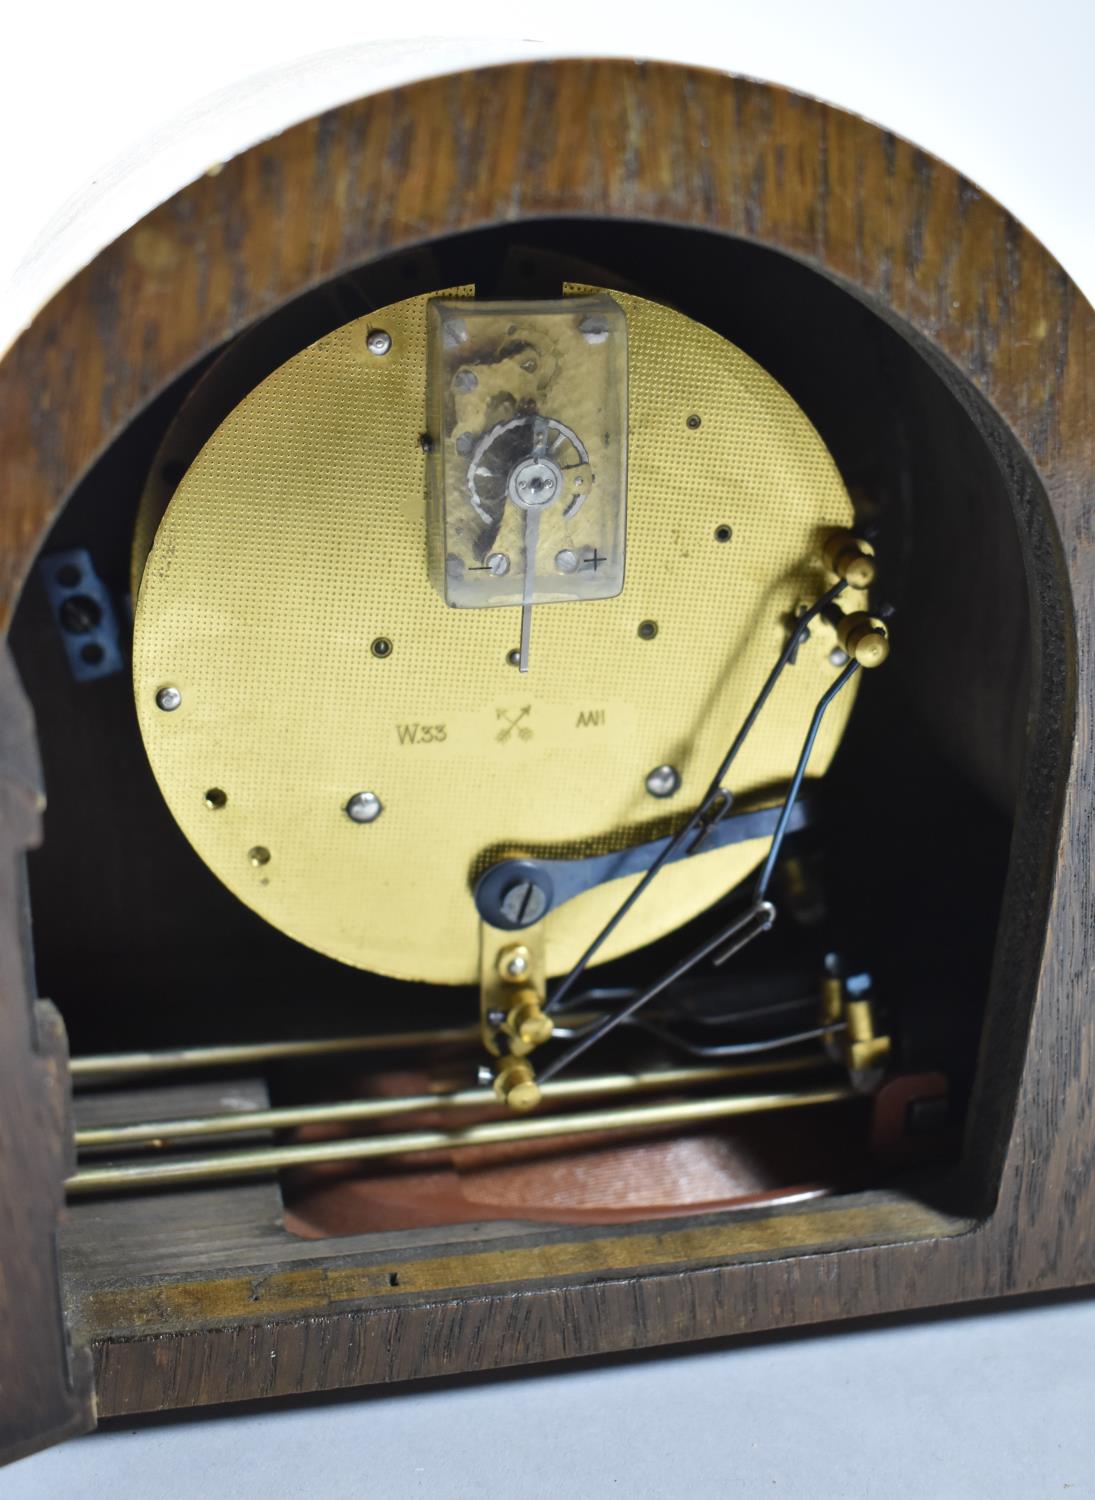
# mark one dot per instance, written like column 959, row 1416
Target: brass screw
column 865, row 638
column 529, row 1023
column 850, row 558
column 515, row 1084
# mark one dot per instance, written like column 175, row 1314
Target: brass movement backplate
column 286, row 609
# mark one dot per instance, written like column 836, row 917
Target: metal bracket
column 852, row 1036
column 517, row 893
column 84, row 612
column 512, row 1021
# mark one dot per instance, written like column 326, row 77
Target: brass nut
column 870, row 648
column 856, row 568
column 850, row 558
column 526, row 1024
column 530, row 1023
column 515, row 964
column 515, row 1085
column 865, row 638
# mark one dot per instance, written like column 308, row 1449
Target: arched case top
column 997, row 319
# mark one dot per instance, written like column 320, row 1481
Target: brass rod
column 476, row 1098
column 112, row 1064
column 127, row 1176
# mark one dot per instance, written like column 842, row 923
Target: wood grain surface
column 1000, row 322
column 45, row 1386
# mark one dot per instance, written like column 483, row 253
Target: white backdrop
column 108, row 107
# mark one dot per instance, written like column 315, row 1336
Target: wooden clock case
column 179, row 1300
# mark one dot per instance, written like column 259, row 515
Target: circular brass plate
column 297, row 539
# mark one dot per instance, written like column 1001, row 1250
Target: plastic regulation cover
column 528, row 439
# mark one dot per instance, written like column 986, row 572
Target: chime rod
column 163, row 1131
column 182, row 1170
column 180, row 1059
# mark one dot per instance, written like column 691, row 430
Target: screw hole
column 381, row 647
column 693, row 422
column 648, row 629
column 92, row 654
column 171, row 473
column 80, row 614
column 393, row 1278
column 68, row 575
column 723, row 533
column 259, row 856
column 216, row 799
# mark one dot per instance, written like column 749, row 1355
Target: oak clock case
column 391, row 625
